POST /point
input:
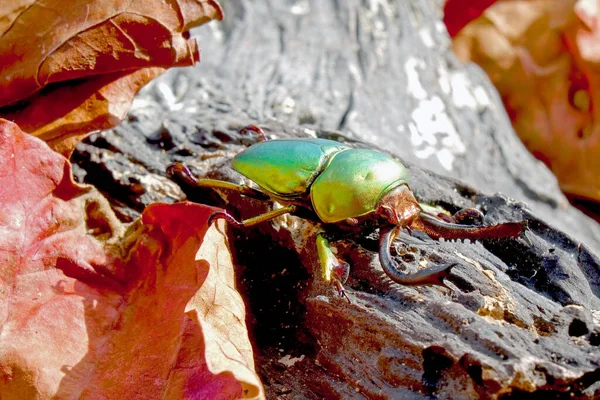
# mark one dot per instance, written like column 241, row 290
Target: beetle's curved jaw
column 431, row 275
column 437, row 228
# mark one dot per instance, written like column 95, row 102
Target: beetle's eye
column 389, row 214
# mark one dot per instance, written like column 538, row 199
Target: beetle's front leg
column 334, row 270
column 431, row 275
column 182, row 172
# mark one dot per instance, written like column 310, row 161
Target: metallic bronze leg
column 468, row 216
column 465, row 216
column 183, row 173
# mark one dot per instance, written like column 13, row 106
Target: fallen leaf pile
column 544, row 59
column 68, row 68
column 89, row 307
column 88, row 310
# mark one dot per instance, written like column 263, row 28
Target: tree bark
column 517, row 317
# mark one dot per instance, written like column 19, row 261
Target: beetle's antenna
column 253, row 128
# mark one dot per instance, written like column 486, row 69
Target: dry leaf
column 544, row 59
column 90, row 58
column 88, row 311
column 92, row 104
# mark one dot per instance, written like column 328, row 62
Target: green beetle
column 352, row 187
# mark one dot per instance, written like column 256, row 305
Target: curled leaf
column 88, row 310
column 90, row 58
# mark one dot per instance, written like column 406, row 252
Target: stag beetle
column 360, row 189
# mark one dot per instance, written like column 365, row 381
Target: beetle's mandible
column 336, row 184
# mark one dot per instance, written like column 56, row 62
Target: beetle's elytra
column 337, row 184
column 341, row 182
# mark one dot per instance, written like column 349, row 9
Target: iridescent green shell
column 353, row 183
column 343, row 182
column 287, row 167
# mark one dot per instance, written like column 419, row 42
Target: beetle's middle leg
column 251, row 221
column 334, row 271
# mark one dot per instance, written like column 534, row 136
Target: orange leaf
column 88, row 311
column 544, row 59
column 89, row 52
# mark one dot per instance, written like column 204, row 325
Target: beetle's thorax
column 398, row 207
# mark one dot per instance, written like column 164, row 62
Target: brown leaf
column 88, row 105
column 89, row 311
column 95, row 55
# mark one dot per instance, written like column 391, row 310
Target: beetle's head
column 398, row 206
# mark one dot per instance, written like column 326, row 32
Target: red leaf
column 89, row 311
column 458, row 13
